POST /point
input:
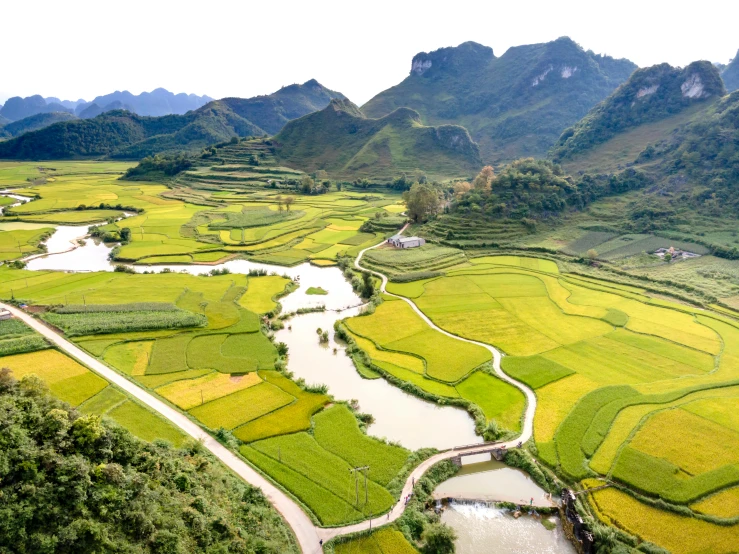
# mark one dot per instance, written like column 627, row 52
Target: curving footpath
column 416, row 474
column 307, row 534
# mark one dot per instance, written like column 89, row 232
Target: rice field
column 383, row 541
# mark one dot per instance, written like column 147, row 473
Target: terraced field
column 209, row 214
column 630, row 388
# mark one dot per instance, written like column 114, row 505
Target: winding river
column 399, row 417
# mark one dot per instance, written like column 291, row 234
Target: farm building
column 399, row 241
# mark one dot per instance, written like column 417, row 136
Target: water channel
column 399, row 417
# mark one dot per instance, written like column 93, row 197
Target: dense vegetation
column 76, row 483
column 342, row 141
column 123, row 134
column 514, row 105
column 33, row 123
column 650, row 94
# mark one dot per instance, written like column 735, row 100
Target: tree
column 592, row 255
column 288, row 201
column 125, row 234
column 338, row 186
column 306, row 184
column 484, row 179
column 422, row 201
column 368, row 285
column 280, row 203
column 460, row 189
column 668, row 257
column 439, row 539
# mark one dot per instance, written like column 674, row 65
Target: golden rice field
column 641, row 390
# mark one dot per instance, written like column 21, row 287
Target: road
column 307, row 534
column 303, row 528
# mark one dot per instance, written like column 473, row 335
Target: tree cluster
column 74, row 483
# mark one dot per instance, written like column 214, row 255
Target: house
column 5, row 314
column 399, row 241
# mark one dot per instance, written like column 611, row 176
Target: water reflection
column 399, row 416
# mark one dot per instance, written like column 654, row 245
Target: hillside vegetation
column 651, row 94
column 515, row 105
column 345, row 143
column 76, row 483
column 33, row 123
column 123, row 134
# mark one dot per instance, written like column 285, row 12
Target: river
column 399, row 417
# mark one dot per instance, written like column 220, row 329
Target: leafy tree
column 368, row 285
column 668, row 257
column 78, row 483
column 288, row 201
column 439, row 539
column 484, row 179
column 592, row 255
column 125, row 234
column 306, row 184
column 422, row 201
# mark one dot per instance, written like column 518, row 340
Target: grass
column 169, row 355
column 395, row 326
column 290, row 419
column 535, row 371
column 18, row 345
column 103, row 401
column 68, row 380
column 189, row 393
column 94, row 323
column 145, row 424
column 242, row 406
column 680, row 534
column 337, row 431
column 302, row 453
column 316, row 291
column 383, row 541
column 498, row 400
column 260, row 293
column 131, row 358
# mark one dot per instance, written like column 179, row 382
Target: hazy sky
column 79, row 49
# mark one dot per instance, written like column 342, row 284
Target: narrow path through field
column 416, row 474
column 302, row 526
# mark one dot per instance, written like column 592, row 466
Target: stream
column 399, row 417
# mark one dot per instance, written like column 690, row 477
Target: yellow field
column 189, row 393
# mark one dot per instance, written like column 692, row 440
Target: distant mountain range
column 123, row 134
column 730, row 75
column 155, row 103
column 514, row 105
column 343, row 141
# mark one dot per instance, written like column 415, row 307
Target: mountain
column 19, row 108
column 514, row 105
column 651, row 94
column 4, row 121
column 69, row 104
column 94, row 110
column 123, row 134
column 155, row 103
column 343, row 141
column 273, row 111
column 33, row 123
column 730, row 75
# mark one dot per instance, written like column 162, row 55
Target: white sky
column 76, row 48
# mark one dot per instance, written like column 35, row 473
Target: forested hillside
column 122, row 134
column 651, row 94
column 342, row 141
column 730, row 75
column 515, row 105
column 75, row 483
column 33, row 123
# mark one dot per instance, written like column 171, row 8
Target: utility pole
column 202, row 401
column 355, row 471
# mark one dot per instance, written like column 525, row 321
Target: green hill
column 345, row 143
column 730, row 75
column 514, row 105
column 122, row 134
column 651, row 94
column 34, row 123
